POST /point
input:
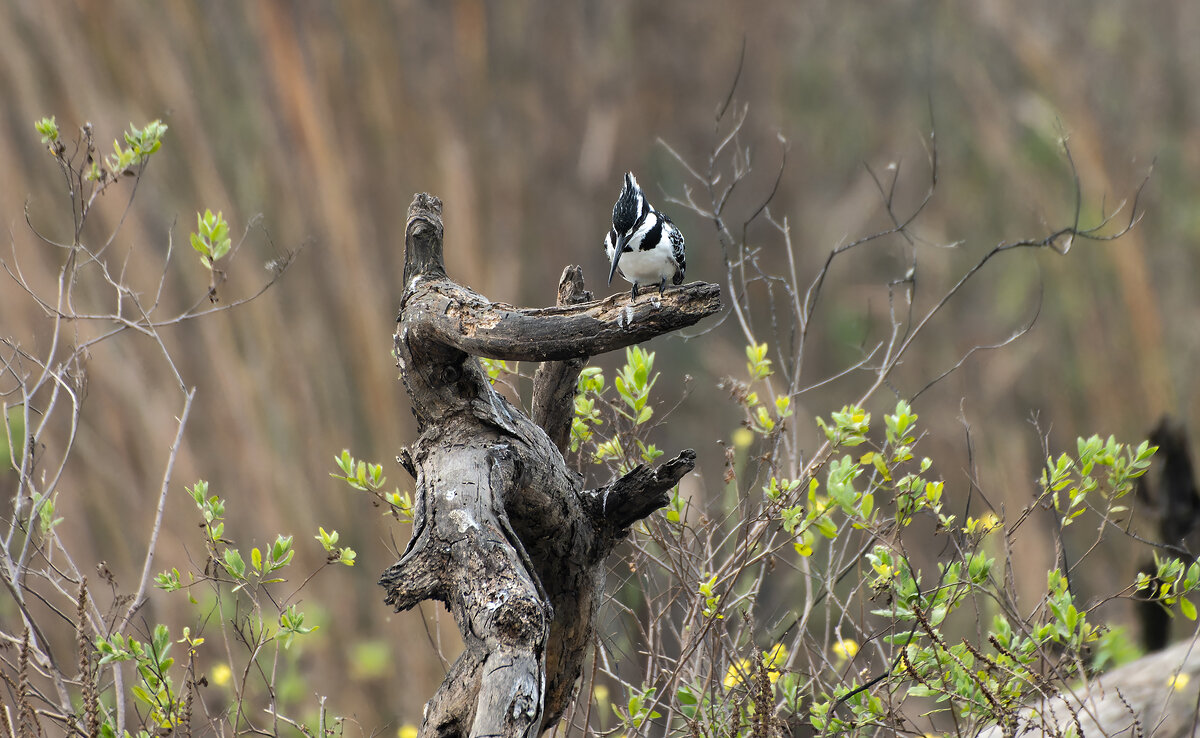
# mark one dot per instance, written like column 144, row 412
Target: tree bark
column 554, row 382
column 504, row 533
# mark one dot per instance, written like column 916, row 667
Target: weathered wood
column 504, row 533
column 457, row 317
column 1156, row 695
column 554, row 381
column 467, row 557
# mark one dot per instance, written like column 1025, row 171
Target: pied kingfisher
column 646, row 244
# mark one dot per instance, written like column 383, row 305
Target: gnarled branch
column 505, row 535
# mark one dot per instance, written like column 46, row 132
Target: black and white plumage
column 643, row 243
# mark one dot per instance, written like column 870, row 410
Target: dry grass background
column 325, row 118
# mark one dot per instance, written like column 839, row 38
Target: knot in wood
column 524, row 707
column 422, row 229
column 520, row 620
column 425, row 216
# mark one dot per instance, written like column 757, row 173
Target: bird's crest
column 630, row 207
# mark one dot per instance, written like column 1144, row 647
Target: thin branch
column 148, row 564
column 737, row 76
column 1021, row 331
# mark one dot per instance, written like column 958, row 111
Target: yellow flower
column 744, row 669
column 220, row 674
column 408, row 730
column 743, row 437
column 1179, row 682
column 845, row 649
column 775, row 659
column 982, row 525
column 777, row 656
column 735, row 673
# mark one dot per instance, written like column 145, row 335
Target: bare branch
column 151, row 547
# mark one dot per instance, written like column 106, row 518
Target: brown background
column 325, row 118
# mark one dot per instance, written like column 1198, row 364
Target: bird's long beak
column 621, row 241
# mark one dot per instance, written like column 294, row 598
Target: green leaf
column 199, row 491
column 48, row 128
column 281, row 552
column 168, row 581
column 211, row 238
column 161, row 639
column 804, row 546
column 234, row 563
column 1187, row 608
column 826, row 527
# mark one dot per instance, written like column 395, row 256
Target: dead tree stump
column 504, row 533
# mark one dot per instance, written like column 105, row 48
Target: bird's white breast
column 646, row 267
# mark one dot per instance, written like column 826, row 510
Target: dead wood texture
column 505, row 535
column 1157, row 695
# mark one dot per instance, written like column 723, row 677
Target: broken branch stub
column 504, row 533
column 554, row 381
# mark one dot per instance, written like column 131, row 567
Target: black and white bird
column 644, row 242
